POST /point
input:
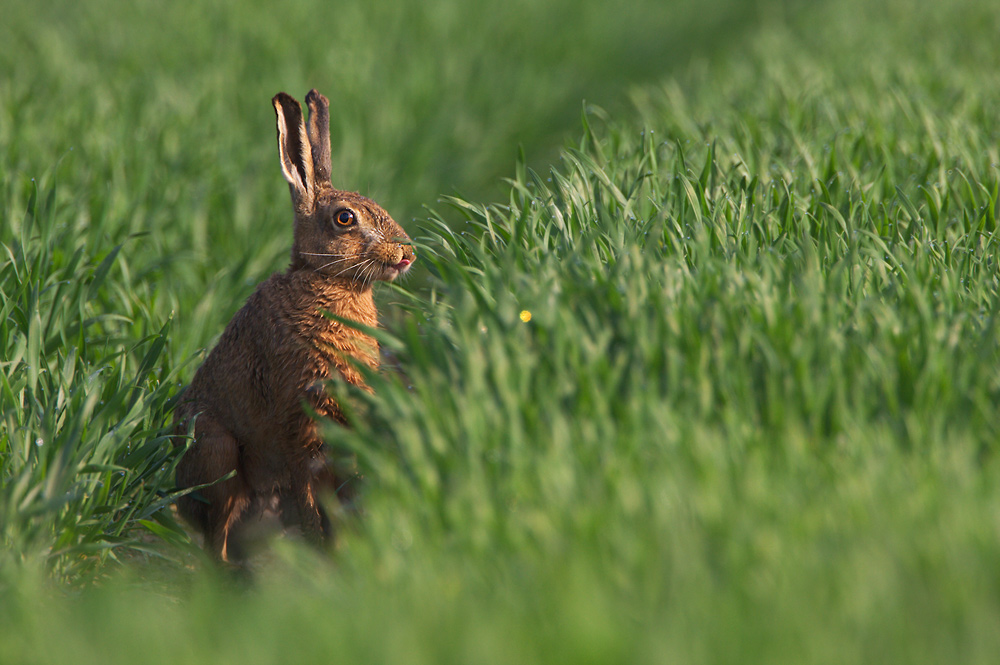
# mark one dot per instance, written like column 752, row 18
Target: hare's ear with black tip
column 295, row 152
column 319, row 134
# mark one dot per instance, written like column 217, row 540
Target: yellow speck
column 525, row 315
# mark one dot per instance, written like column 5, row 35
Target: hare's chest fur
column 276, row 354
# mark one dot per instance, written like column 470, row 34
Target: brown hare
column 251, row 399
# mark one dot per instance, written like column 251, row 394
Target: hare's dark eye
column 345, row 218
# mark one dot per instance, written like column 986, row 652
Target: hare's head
column 340, row 234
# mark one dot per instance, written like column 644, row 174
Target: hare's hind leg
column 301, row 505
column 215, row 510
column 310, row 515
column 300, row 514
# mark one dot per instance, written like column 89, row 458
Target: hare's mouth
column 394, row 270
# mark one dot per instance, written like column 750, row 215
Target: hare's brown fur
column 247, row 399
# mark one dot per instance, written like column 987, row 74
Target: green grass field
column 751, row 415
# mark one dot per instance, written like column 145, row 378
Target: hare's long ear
column 319, row 134
column 295, row 152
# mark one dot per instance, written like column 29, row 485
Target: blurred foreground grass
column 751, row 417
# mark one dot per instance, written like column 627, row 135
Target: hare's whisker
column 330, row 263
column 372, row 269
column 371, row 274
column 355, row 266
column 323, row 254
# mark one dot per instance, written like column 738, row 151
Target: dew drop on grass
column 39, row 442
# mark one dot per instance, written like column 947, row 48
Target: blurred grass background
column 116, row 101
column 751, row 417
